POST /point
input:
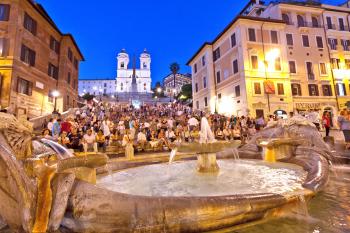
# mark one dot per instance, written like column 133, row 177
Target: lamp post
column 55, row 94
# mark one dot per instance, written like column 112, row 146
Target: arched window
column 314, row 22
column 121, row 86
column 301, row 22
column 285, row 18
column 122, row 65
column 145, row 86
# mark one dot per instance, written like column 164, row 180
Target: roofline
column 229, row 26
column 96, row 79
column 41, row 10
column 184, row 75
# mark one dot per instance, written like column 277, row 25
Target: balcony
column 309, row 25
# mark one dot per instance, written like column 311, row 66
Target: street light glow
column 55, row 93
column 159, row 90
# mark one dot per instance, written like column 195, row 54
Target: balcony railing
column 309, row 25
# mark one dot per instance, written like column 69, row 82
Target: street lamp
column 159, row 90
column 55, row 94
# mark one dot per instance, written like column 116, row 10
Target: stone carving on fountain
column 296, row 141
column 40, row 192
column 34, row 184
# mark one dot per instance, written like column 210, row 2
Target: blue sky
column 172, row 31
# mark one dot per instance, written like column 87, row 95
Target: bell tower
column 123, row 60
column 145, row 60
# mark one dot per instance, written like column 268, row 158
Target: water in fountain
column 206, row 135
column 172, row 155
column 181, row 179
column 61, row 151
column 235, row 153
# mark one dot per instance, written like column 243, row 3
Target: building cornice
column 240, row 17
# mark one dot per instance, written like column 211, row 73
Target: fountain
column 40, row 191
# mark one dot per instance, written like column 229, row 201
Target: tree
column 185, row 93
column 156, row 89
column 174, row 68
column 88, row 96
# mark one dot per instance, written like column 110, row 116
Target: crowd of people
column 100, row 126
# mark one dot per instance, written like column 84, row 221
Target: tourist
column 170, row 135
column 101, row 141
column 192, row 123
column 50, row 124
column 56, row 128
column 227, row 133
column 89, row 141
column 63, row 139
column 142, row 139
column 46, row 134
column 344, row 125
column 75, row 139
column 128, row 144
column 236, row 133
column 326, row 122
column 219, row 134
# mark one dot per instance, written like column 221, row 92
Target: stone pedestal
column 206, row 163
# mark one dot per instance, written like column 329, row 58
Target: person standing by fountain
column 326, row 122
column 344, row 125
column 128, row 144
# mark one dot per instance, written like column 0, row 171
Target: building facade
column 275, row 59
column 36, row 58
column 97, row 86
column 125, row 74
column 171, row 87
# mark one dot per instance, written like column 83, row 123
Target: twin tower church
column 132, row 79
column 129, row 78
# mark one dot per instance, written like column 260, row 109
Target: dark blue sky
column 172, row 31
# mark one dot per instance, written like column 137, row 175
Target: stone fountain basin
column 95, row 209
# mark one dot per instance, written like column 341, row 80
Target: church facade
column 131, row 79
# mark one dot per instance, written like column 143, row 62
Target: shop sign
column 308, row 106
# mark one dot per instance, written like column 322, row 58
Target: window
column 333, row 43
column 314, row 22
column 296, row 89
column 24, row 86
column 313, row 90
column 345, row 44
column 329, row 22
column 70, row 55
column 53, row 71
column 76, row 63
column 289, row 38
column 347, row 64
column 68, row 100
column 335, row 63
column 195, row 68
column 292, row 67
column 257, row 88
column 254, row 61
column 274, row 37
column 280, row 89
column 301, row 22
column 4, row 47
column 30, row 24
column 27, row 55
column 205, row 101
column 238, row 91
column 196, row 86
column 285, row 18
column 197, row 104
column 327, row 90
column 319, row 42
column 233, row 40
column 310, row 70
column 340, row 89
column 203, row 61
column 341, row 24
column 323, row 69
column 219, row 96
column 216, row 54
column 204, row 82
column 54, row 45
column 68, row 78
column 235, row 66
column 251, row 34
column 218, row 77
column 305, row 39
column 278, row 63
column 4, row 12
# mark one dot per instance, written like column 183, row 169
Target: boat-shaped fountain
column 212, row 192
